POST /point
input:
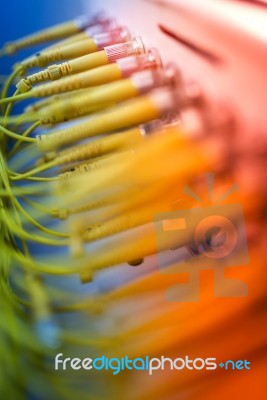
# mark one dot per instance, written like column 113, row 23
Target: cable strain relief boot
column 23, row 86
column 30, row 62
column 53, row 72
column 46, row 158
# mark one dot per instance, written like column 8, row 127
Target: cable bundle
column 88, row 175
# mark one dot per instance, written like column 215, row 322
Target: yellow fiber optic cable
column 19, row 209
column 78, row 48
column 9, row 82
column 114, row 92
column 113, row 198
column 123, row 222
column 56, row 32
column 26, row 133
column 21, row 233
column 135, row 211
column 14, row 135
column 9, row 109
column 30, row 219
column 97, row 147
column 105, row 25
column 122, row 68
column 19, row 176
column 142, row 170
column 90, row 61
column 134, row 245
column 134, row 112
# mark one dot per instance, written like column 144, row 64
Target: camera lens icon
column 215, row 236
column 200, row 239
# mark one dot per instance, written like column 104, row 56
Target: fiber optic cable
column 83, row 103
column 134, row 112
column 96, row 148
column 26, row 133
column 56, row 32
column 100, row 58
column 109, row 187
column 9, row 82
column 40, row 303
column 78, row 48
column 122, row 68
column 105, row 25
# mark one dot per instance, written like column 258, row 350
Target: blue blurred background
column 20, row 18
